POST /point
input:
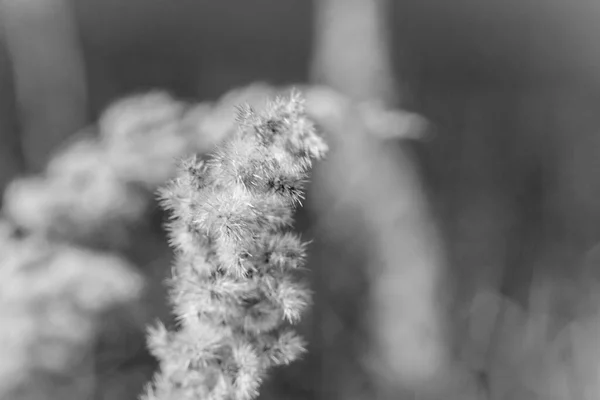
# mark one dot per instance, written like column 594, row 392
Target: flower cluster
column 98, row 184
column 235, row 286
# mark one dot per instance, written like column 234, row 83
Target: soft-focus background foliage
column 511, row 164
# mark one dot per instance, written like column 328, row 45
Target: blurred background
column 495, row 212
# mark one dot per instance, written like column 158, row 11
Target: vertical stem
column 386, row 233
column 11, row 156
column 48, row 70
column 351, row 51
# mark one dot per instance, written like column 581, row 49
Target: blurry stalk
column 351, row 49
column 11, row 157
column 402, row 335
column 48, row 70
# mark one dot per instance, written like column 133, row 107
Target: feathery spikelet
column 234, row 288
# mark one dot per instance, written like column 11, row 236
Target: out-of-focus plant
column 99, row 184
column 52, row 298
column 46, row 61
column 234, row 287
